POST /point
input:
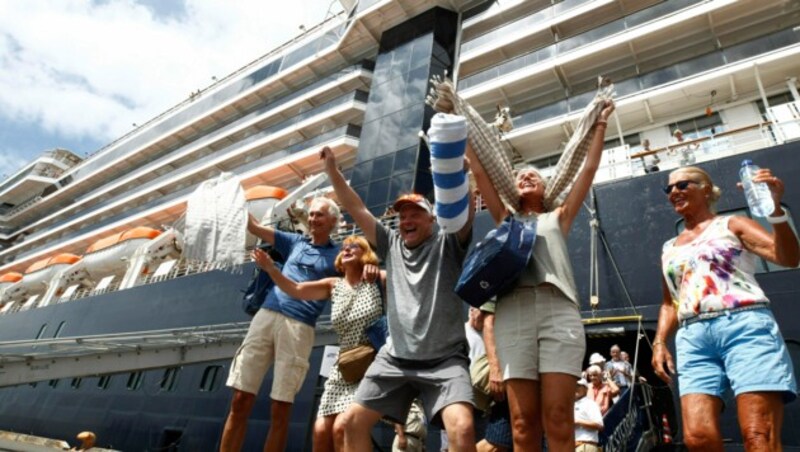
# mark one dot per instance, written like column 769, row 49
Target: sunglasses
column 682, row 185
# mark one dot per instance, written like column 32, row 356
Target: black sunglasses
column 680, row 185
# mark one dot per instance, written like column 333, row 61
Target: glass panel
column 361, row 173
column 378, row 192
column 382, row 167
column 400, row 185
column 405, row 159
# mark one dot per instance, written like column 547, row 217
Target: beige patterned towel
column 494, row 154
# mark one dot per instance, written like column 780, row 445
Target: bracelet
column 659, row 342
column 601, row 122
column 777, row 220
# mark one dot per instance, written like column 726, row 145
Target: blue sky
column 77, row 74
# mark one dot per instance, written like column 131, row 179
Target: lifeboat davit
column 109, row 255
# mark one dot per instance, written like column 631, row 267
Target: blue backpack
column 494, row 265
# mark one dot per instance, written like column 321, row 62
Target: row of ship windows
column 168, row 383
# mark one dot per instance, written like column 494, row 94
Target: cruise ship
column 104, row 327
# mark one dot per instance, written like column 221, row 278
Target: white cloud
column 78, row 68
column 10, row 162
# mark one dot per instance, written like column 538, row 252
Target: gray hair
column 530, row 168
column 333, row 208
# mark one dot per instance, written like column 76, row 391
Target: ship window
column 76, row 383
column 699, row 126
column 53, row 383
column 777, row 99
column 210, row 378
column 42, row 330
column 135, row 380
column 59, row 329
column 762, row 265
column 170, row 379
column 104, row 381
column 631, row 140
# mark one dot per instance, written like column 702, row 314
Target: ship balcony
column 195, row 162
column 649, row 39
column 285, row 167
column 31, row 180
column 489, row 41
column 91, row 178
column 670, row 94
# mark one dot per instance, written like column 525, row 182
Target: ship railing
column 23, row 206
column 637, row 161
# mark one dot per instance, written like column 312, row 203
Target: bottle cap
column 747, row 162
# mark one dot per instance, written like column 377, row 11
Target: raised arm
column 663, row 365
column 572, row 204
column 348, row 197
column 265, row 233
column 780, row 247
column 311, row 290
column 488, row 192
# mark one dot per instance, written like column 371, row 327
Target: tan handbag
column 353, row 362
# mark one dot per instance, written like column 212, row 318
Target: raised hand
column 327, row 155
column 263, row 260
column 775, row 185
column 607, row 110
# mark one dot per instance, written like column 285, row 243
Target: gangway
column 29, row 361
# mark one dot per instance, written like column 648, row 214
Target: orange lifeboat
column 264, row 192
column 10, row 277
column 106, row 256
column 58, row 259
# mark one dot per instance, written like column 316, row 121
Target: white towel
column 448, row 142
column 216, row 222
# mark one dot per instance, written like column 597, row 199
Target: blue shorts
column 743, row 351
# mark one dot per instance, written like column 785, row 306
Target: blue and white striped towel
column 448, row 142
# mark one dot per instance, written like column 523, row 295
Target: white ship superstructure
column 723, row 72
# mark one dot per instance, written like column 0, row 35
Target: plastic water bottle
column 759, row 198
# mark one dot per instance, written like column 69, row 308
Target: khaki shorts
column 538, row 331
column 273, row 338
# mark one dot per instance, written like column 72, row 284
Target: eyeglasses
column 351, row 246
column 682, row 185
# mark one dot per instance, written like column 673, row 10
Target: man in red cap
column 426, row 354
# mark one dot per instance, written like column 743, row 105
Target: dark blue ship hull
column 188, row 413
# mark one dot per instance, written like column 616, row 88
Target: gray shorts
column 538, row 331
column 391, row 384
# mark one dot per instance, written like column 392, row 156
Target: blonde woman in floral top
column 726, row 334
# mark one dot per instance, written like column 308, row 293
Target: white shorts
column 273, row 338
column 538, row 331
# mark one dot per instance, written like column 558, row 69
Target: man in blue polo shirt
column 282, row 332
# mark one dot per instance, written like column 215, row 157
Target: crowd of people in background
column 530, row 341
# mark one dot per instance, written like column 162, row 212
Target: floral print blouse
column 713, row 272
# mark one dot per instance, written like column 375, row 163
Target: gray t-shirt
column 425, row 315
